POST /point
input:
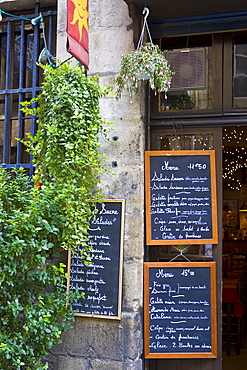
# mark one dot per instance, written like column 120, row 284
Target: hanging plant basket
column 146, row 63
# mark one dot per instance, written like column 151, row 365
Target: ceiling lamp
column 244, row 207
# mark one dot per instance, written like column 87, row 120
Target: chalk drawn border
column 186, row 265
column 120, row 270
column 214, row 223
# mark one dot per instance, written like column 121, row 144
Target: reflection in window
column 186, row 142
column 240, row 76
column 191, row 83
column 20, row 80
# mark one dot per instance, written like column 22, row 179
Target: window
column 190, row 58
column 20, row 80
column 210, row 74
column 181, row 141
column 240, row 70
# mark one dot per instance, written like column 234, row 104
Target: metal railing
column 20, row 80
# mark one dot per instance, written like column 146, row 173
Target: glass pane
column 186, row 142
column 234, row 159
column 1, row 137
column 20, row 78
column 191, row 87
column 25, row 57
column 240, row 76
column 234, row 187
column 25, row 129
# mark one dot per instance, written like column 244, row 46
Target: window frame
column 8, row 93
column 222, row 83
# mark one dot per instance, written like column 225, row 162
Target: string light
column 36, row 21
column 234, row 151
column 187, row 142
column 234, row 157
column 12, row 15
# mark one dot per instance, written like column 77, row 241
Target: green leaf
column 36, row 224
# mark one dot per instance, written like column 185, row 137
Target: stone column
column 104, row 343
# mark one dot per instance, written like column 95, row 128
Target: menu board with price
column 181, row 197
column 101, row 280
column 180, row 310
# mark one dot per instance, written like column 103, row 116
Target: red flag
column 77, row 30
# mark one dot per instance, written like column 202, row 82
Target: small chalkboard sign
column 180, row 310
column 181, row 197
column 101, row 281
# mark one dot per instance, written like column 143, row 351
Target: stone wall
column 102, row 343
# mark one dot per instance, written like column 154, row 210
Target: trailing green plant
column 35, row 222
column 66, row 145
column 34, row 309
column 146, row 63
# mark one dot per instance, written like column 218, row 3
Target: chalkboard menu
column 180, row 310
column 181, row 197
column 101, row 281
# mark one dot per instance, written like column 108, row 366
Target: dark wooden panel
column 188, row 364
column 196, row 25
column 227, row 77
column 196, row 364
column 177, row 8
column 217, row 71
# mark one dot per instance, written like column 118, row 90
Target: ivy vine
column 65, row 148
column 34, row 309
column 35, row 222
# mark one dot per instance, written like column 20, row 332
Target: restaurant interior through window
column 234, row 189
column 234, row 237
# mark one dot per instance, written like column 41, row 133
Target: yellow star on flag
column 80, row 15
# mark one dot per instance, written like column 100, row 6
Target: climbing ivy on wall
column 34, row 308
column 66, row 145
column 37, row 221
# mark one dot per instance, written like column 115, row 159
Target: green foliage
column 148, row 62
column 66, row 145
column 34, row 309
column 36, row 223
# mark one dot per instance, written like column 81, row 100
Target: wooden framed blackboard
column 181, row 202
column 101, row 281
column 180, row 310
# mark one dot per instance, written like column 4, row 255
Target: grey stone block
column 66, row 363
column 132, row 283
column 135, row 365
column 93, row 338
column 52, row 361
column 133, row 342
column 105, row 365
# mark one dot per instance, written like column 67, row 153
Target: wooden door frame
column 198, row 364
